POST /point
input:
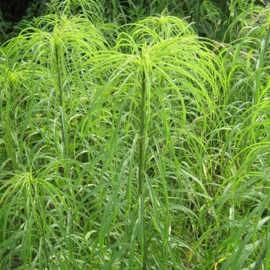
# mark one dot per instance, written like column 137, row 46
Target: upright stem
column 61, row 101
column 259, row 66
column 141, row 169
column 44, row 237
column 257, row 85
column 8, row 124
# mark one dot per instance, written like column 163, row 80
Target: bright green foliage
column 139, row 146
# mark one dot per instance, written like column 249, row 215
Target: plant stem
column 61, row 101
column 141, row 170
column 9, row 128
column 259, row 66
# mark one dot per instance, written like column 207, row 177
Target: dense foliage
column 135, row 137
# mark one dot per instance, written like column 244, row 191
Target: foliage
column 136, row 146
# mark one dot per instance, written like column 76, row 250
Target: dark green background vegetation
column 14, row 11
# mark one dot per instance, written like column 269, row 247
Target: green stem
column 259, row 66
column 141, row 170
column 61, row 101
column 10, row 145
column 257, row 86
column 44, row 237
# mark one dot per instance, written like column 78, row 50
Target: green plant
column 134, row 147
